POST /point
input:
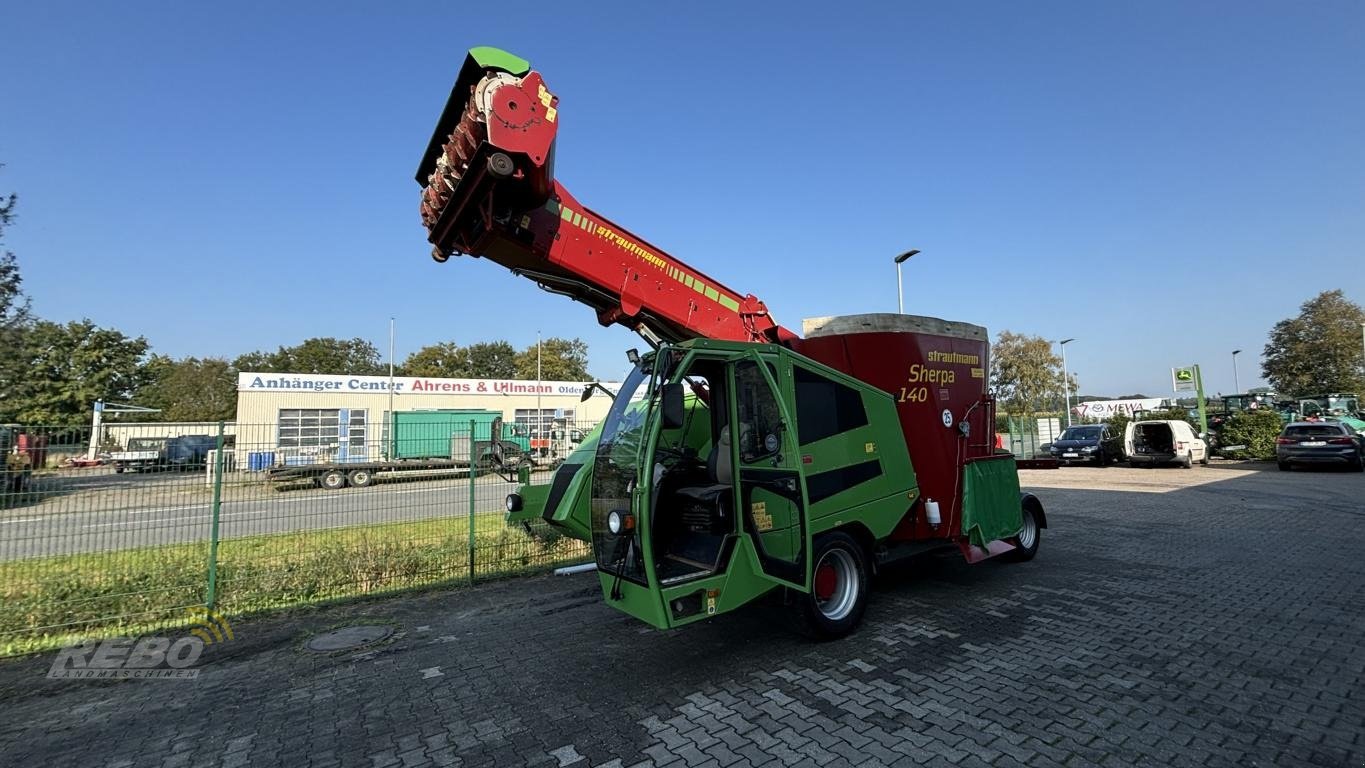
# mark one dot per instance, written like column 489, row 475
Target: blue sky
column 234, row 177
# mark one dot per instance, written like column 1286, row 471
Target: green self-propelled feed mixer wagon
column 738, row 458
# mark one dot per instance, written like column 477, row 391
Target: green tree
column 317, row 355
column 560, row 360
column 1318, row 351
column 1026, row 377
column 190, row 389
column 484, row 360
column 14, row 316
column 68, row 367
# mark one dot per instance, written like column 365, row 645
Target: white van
column 1149, row 443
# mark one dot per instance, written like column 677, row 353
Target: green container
column 431, row 434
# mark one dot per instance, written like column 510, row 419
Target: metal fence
column 248, row 517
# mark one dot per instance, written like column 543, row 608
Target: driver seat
column 706, row 507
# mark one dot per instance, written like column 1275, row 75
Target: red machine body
column 936, row 371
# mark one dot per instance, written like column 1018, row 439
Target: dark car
column 1091, row 443
column 1320, row 442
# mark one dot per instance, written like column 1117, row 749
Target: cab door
column 769, row 492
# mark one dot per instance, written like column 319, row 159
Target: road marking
column 22, row 520
column 431, row 672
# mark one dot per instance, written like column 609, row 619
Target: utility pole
column 540, row 417
column 391, row 419
column 1066, row 385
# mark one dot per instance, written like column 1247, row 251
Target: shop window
column 311, row 427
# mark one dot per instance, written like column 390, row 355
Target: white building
column 301, row 411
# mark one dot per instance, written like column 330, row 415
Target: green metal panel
column 488, row 57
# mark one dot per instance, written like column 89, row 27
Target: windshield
column 1081, row 433
column 613, row 473
column 146, row 443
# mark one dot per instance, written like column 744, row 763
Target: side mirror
column 587, row 393
column 671, row 402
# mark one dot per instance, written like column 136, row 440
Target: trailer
column 461, row 456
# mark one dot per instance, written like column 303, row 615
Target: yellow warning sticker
column 869, row 447
column 762, row 520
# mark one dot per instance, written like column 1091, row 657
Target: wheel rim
column 836, row 584
column 1028, row 535
column 333, row 479
column 361, row 478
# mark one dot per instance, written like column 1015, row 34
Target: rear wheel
column 838, row 595
column 1359, row 465
column 359, row 478
column 1188, row 461
column 333, row 480
column 1030, row 536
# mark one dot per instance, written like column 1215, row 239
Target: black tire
column 1204, row 461
column 118, row 470
column 840, row 612
column 1030, row 537
column 359, row 478
column 1283, row 465
column 1359, row 465
column 332, row 479
column 1188, row 461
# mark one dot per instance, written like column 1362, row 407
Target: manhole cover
column 348, row 638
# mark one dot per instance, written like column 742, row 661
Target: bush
column 1256, row 430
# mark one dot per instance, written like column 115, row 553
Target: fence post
column 473, row 472
column 211, row 598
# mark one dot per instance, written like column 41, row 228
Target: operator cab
column 693, row 504
column 722, row 465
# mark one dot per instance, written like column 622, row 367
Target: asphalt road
column 1173, row 617
column 127, row 511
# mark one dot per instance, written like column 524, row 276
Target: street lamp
column 900, row 294
column 1066, row 387
column 1236, row 387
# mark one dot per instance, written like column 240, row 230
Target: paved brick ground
column 1198, row 617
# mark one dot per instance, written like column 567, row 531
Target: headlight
column 1090, row 448
column 513, row 502
column 619, row 522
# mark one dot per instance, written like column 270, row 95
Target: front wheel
column 333, row 480
column 838, row 594
column 359, row 478
column 1030, row 536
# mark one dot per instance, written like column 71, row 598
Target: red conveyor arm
column 489, row 191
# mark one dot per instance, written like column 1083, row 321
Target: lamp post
column 1236, row 386
column 1066, row 387
column 900, row 293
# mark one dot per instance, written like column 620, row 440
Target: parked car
column 1320, row 442
column 1150, row 443
column 1090, row 443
